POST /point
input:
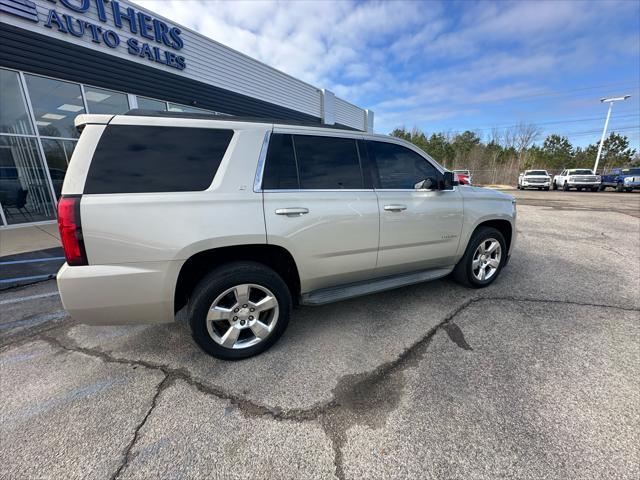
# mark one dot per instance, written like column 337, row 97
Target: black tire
column 602, row 188
column 546, row 189
column 555, row 186
column 223, row 278
column 565, row 187
column 539, row 188
column 594, row 189
column 619, row 188
column 463, row 273
column 579, row 189
column 628, row 190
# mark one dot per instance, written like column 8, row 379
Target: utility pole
column 606, row 124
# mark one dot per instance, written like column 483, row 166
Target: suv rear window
column 137, row 159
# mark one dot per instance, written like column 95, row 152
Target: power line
column 635, row 83
column 553, row 122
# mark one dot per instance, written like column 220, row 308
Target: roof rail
column 138, row 112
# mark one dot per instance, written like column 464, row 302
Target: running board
column 343, row 292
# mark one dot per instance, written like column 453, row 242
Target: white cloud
column 418, row 61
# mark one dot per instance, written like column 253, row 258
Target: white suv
column 237, row 221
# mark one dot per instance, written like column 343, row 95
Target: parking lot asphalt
column 537, row 376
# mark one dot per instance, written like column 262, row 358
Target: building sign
column 157, row 42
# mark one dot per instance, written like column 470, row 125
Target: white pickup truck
column 577, row 178
column 539, row 179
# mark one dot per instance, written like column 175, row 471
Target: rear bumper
column 119, row 294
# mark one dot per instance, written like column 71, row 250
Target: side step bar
column 343, row 292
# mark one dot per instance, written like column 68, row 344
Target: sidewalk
column 29, row 254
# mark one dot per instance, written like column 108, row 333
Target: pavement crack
column 127, row 456
column 364, row 399
column 246, row 406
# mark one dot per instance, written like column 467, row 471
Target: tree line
column 503, row 154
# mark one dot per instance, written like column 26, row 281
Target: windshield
column 537, row 172
column 580, row 172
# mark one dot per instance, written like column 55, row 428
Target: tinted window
column 55, row 105
column 280, row 170
column 327, row 162
column 104, row 101
column 13, row 114
column 399, row 167
column 150, row 104
column 133, row 159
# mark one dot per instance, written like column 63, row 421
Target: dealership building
column 62, row 58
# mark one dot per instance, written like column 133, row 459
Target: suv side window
column 280, row 169
column 141, row 159
column 327, row 163
column 399, row 167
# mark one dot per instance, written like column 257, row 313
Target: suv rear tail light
column 71, row 230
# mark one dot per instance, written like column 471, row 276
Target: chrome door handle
column 395, row 208
column 292, row 211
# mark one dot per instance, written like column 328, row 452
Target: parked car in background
column 578, row 178
column 622, row 179
column 466, row 173
column 262, row 216
column 539, row 179
column 461, row 178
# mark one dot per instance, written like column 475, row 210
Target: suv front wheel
column 483, row 260
column 239, row 310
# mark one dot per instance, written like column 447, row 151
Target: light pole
column 606, row 124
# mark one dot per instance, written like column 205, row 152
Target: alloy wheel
column 242, row 316
column 486, row 259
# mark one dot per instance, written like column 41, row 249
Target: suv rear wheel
column 483, row 260
column 239, row 310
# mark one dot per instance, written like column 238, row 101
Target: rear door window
column 280, row 170
column 137, row 159
column 312, row 163
column 327, row 163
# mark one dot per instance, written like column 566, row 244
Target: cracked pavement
column 537, row 376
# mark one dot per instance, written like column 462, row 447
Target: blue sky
column 446, row 66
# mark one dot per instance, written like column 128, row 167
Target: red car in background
column 461, row 178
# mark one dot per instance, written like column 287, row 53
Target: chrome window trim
column 257, row 182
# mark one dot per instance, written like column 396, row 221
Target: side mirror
column 426, row 184
column 447, row 181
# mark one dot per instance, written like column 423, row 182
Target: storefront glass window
column 55, row 105
column 24, row 190
column 14, row 117
column 150, row 104
column 174, row 107
column 105, row 101
column 58, row 153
